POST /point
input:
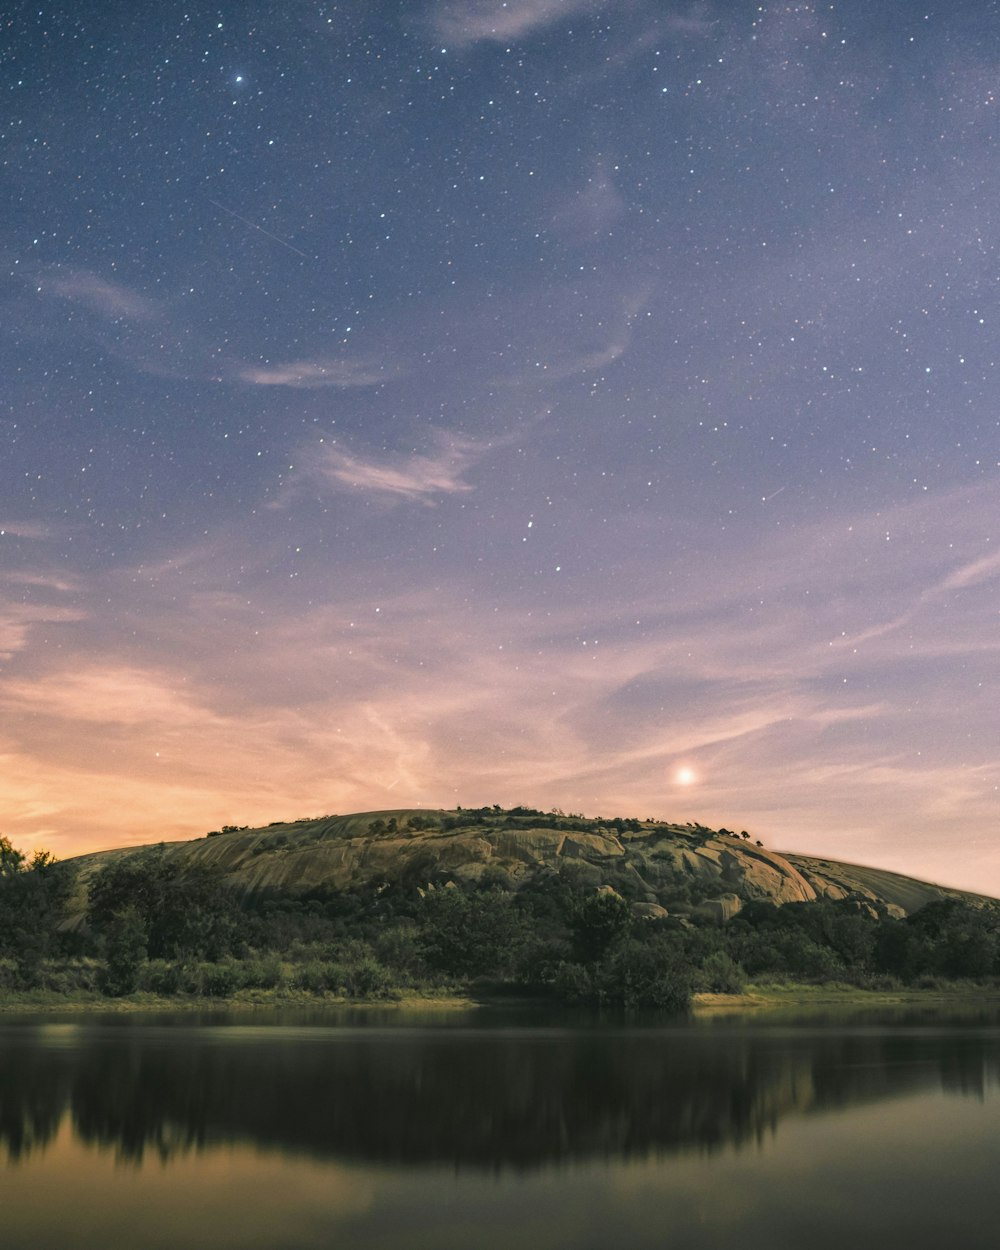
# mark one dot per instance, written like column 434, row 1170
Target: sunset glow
column 466, row 403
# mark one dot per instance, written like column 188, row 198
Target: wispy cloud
column 592, row 209
column 462, row 22
column 216, row 706
column 973, row 573
column 18, row 620
column 311, row 375
column 109, row 695
column 43, row 581
column 110, row 299
column 25, row 529
column 422, row 477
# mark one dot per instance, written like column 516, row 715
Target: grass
column 766, row 998
column 45, row 1001
column 774, row 996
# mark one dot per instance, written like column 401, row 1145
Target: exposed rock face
column 658, row 867
column 720, row 909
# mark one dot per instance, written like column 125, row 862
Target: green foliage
column 720, row 974
column 399, row 948
column 847, row 939
column 184, row 912
column 11, row 859
column 262, row 972
column 170, row 926
column 649, row 971
column 219, row 980
column 360, row 978
column 124, row 953
column 647, row 975
column 572, row 983
column 539, row 960
column 33, row 897
column 597, row 923
column 470, row 935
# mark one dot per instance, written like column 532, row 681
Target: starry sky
column 580, row 403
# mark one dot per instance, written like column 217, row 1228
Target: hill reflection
column 464, row 1097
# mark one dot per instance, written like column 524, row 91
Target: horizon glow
column 499, row 403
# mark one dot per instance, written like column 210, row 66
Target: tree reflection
column 469, row 1098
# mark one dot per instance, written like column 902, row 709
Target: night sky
column 580, row 404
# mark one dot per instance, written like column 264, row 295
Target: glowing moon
column 685, row 776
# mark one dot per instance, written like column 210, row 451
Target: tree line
column 153, row 924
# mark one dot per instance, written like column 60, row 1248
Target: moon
column 685, row 776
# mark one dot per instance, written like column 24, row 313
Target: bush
column 124, row 953
column 572, row 983
column 220, row 980
column 540, row 962
column 164, row 977
column 320, row 977
column 720, row 974
column 264, row 973
column 400, row 949
column 645, row 975
column 597, row 923
column 367, row 979
column 470, row 935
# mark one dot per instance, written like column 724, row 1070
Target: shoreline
column 756, row 1000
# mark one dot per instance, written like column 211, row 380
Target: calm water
column 368, row 1132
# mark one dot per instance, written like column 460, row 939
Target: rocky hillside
column 661, row 868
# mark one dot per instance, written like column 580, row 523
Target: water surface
column 373, row 1130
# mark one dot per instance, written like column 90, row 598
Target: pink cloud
column 110, row 299
column 313, row 375
column 471, row 21
column 418, row 477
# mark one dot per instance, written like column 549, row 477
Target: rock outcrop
column 680, row 869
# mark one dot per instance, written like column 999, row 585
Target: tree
column 11, row 859
column 470, row 934
column 124, row 953
column 645, row 975
column 185, row 912
column 597, row 923
column 33, row 897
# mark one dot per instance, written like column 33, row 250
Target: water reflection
column 471, row 1098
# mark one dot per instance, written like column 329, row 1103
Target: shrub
column 165, row 977
column 470, row 934
column 598, row 922
column 400, row 949
column 221, row 979
column 572, row 983
column 320, row 977
column 720, row 974
column 124, row 953
column 367, row 979
column 264, row 973
column 645, row 975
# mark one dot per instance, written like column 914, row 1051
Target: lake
column 374, row 1129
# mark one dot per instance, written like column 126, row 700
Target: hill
column 659, row 867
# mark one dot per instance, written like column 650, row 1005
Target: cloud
column 973, row 573
column 418, row 477
column 200, row 704
column 463, row 22
column 18, row 620
column 591, row 210
column 108, row 695
column 25, row 529
column 110, row 299
column 553, row 340
column 311, row 375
